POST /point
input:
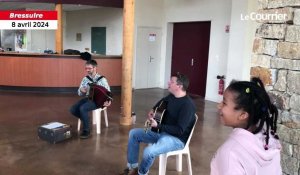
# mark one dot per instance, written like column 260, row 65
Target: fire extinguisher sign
column 28, row 19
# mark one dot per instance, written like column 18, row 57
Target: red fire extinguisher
column 221, row 84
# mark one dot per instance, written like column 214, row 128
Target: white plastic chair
column 186, row 150
column 97, row 119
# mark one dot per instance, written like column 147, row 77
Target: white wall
column 82, row 21
column 40, row 40
column 216, row 11
column 241, row 41
column 8, row 39
column 36, row 40
column 229, row 53
column 147, row 14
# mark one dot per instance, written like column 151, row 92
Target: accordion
column 99, row 94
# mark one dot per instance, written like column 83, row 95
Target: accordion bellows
column 99, row 95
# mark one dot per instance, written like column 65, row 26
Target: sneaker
column 128, row 171
column 85, row 135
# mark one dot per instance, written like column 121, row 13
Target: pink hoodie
column 243, row 153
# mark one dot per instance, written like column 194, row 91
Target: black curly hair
column 253, row 98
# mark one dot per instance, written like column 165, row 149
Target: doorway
column 148, row 48
column 190, row 53
column 98, row 39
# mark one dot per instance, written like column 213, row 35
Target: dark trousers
column 81, row 110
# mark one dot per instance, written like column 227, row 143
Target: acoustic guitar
column 157, row 116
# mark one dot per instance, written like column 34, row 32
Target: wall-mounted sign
column 152, row 37
column 227, row 28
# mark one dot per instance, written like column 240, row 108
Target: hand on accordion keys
column 84, row 89
column 100, row 95
column 107, row 103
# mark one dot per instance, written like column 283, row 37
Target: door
column 98, row 40
column 190, row 53
column 147, row 57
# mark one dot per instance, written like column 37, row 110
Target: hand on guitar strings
column 150, row 114
column 153, row 122
column 150, row 122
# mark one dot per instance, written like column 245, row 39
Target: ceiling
column 51, row 6
column 41, row 6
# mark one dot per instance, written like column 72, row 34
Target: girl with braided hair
column 253, row 147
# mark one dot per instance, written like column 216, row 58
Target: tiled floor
column 23, row 153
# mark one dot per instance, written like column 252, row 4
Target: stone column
column 276, row 60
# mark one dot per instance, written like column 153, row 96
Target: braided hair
column 253, row 99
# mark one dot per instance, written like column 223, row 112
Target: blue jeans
column 81, row 110
column 160, row 143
